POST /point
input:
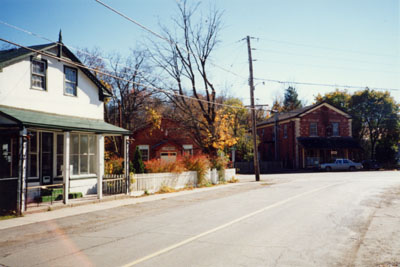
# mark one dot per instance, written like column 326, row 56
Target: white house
column 51, row 124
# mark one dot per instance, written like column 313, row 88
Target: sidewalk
column 62, row 211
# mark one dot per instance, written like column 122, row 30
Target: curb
column 73, row 209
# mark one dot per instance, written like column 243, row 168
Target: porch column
column 100, row 165
column 126, row 160
column 66, row 166
column 21, row 201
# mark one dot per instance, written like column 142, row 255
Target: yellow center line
column 186, row 241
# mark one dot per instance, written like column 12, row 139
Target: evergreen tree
column 291, row 100
column 138, row 165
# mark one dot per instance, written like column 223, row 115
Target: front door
column 46, row 156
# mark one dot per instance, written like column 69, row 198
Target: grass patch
column 10, row 216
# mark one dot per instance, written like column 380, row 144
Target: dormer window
column 70, row 81
column 38, row 80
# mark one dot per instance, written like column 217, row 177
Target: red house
column 166, row 143
column 307, row 137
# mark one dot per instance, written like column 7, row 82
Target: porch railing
column 114, row 184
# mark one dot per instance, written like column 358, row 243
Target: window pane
column 74, row 144
column 145, row 154
column 70, row 88
column 60, row 162
column 70, row 75
column 60, row 144
column 33, row 142
column 84, row 164
column 335, row 128
column 5, row 156
column 14, row 157
column 47, row 164
column 47, row 142
column 92, row 144
column 37, row 81
column 33, row 165
column 74, row 161
column 92, row 164
column 38, row 67
column 84, row 145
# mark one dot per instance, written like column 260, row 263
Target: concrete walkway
column 66, row 211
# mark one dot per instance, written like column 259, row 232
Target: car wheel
column 328, row 169
column 352, row 168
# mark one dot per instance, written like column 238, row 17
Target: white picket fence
column 152, row 182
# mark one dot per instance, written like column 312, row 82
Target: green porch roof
column 29, row 118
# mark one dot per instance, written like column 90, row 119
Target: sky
column 336, row 42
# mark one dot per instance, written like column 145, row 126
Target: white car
column 341, row 164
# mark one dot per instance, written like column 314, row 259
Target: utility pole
column 253, row 114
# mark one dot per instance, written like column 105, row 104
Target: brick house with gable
column 307, row 137
column 167, row 143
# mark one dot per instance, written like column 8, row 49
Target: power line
column 220, row 67
column 327, row 67
column 325, row 84
column 102, row 58
column 229, row 71
column 159, row 35
column 320, row 56
column 116, row 77
column 323, row 47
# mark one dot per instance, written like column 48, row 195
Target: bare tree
column 185, row 59
column 128, row 79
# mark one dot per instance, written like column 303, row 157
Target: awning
column 329, row 142
column 27, row 118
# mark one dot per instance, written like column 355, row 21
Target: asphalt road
column 314, row 219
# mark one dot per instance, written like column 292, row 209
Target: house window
column 83, row 154
column 59, row 154
column 70, row 81
column 284, row 131
column 8, row 156
column 335, row 129
column 33, row 160
column 313, row 129
column 38, row 77
column 144, row 150
column 188, row 150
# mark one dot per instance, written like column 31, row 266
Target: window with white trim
column 33, row 155
column 70, row 81
column 38, row 74
column 187, row 150
column 83, row 154
column 144, row 151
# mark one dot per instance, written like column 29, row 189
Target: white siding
column 15, row 91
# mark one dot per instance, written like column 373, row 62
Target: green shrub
column 137, row 163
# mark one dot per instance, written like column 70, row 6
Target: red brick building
column 169, row 141
column 307, row 137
